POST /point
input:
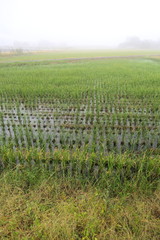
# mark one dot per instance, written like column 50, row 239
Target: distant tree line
column 137, row 43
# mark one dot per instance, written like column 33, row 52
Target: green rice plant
column 118, row 174
column 102, row 94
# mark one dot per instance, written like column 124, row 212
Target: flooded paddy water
column 54, row 126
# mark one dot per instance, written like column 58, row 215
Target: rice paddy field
column 104, row 105
column 75, row 132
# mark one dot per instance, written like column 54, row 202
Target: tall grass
column 119, row 174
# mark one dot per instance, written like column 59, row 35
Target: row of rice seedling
column 118, row 132
column 104, row 106
column 81, row 164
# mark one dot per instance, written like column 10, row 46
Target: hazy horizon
column 79, row 24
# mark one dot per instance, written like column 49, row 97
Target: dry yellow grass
column 57, row 212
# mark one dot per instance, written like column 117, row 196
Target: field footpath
column 85, row 58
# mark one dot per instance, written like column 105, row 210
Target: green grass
column 118, row 174
column 121, row 201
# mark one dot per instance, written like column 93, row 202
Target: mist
column 54, row 24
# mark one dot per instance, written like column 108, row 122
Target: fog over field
column 56, row 24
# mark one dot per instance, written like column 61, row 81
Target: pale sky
column 78, row 22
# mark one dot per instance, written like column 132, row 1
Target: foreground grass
column 57, row 211
column 122, row 202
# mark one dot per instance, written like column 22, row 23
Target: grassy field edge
column 82, row 196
